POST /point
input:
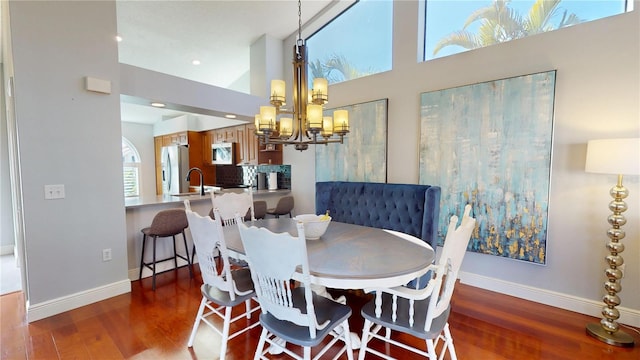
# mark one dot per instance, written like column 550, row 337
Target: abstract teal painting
column 489, row 145
column 363, row 155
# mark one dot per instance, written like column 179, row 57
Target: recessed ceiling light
column 118, row 38
column 196, row 62
column 157, row 104
column 230, row 116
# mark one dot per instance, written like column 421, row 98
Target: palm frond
column 487, row 12
column 568, row 20
column 464, row 39
column 317, row 69
column 540, row 15
column 341, row 64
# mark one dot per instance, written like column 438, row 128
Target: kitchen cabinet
column 251, row 144
column 227, row 134
column 208, row 138
column 241, row 146
column 180, row 138
column 158, row 143
column 247, row 146
column 257, row 154
column 270, row 156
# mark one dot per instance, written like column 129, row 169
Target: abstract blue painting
column 489, row 145
column 363, row 156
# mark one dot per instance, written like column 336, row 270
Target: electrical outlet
column 52, row 192
column 106, row 254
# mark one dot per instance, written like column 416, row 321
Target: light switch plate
column 52, row 192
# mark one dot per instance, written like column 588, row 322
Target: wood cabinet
column 158, row 143
column 208, row 138
column 268, row 156
column 251, row 144
column 241, row 146
column 256, row 154
column 247, row 147
column 180, row 138
column 223, row 135
column 250, row 151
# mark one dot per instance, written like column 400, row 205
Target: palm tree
column 500, row 23
column 336, row 68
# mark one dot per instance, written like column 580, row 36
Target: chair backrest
column 230, row 203
column 273, row 258
column 260, row 209
column 284, row 205
column 207, row 237
column 168, row 222
column 453, row 251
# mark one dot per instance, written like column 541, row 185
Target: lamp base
column 618, row 338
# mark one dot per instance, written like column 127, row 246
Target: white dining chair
column 422, row 313
column 294, row 314
column 223, row 288
column 422, row 281
column 230, row 203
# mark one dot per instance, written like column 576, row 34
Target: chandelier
column 304, row 124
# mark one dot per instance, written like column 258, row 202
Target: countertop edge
column 137, row 202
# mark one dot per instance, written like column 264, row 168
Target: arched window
column 130, row 169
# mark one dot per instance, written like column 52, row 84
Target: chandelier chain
column 299, row 19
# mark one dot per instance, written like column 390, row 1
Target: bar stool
column 260, row 209
column 283, row 207
column 166, row 223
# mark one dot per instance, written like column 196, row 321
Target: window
column 130, row 169
column 452, row 27
column 356, row 43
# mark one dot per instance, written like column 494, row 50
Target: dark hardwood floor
column 155, row 325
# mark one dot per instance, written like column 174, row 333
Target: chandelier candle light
column 621, row 157
column 306, row 123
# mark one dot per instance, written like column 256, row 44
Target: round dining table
column 349, row 256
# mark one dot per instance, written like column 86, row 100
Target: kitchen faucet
column 201, row 181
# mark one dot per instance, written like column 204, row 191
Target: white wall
column 597, row 94
column 7, row 241
column 141, row 136
column 69, row 136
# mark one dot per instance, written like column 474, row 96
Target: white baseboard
column 6, row 249
column 133, row 274
column 73, row 301
column 563, row 301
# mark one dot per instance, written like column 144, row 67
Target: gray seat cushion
column 242, row 277
column 402, row 322
column 325, row 309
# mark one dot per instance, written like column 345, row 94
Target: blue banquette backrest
column 408, row 208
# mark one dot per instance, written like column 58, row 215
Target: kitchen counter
column 140, row 211
column 135, row 202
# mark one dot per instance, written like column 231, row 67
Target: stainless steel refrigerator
column 175, row 164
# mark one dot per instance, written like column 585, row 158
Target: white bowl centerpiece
column 314, row 225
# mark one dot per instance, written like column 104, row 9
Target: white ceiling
column 166, row 36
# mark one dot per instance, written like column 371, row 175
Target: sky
column 363, row 32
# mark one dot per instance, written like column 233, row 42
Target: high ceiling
column 166, row 36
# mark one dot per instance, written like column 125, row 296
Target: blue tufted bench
column 411, row 209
